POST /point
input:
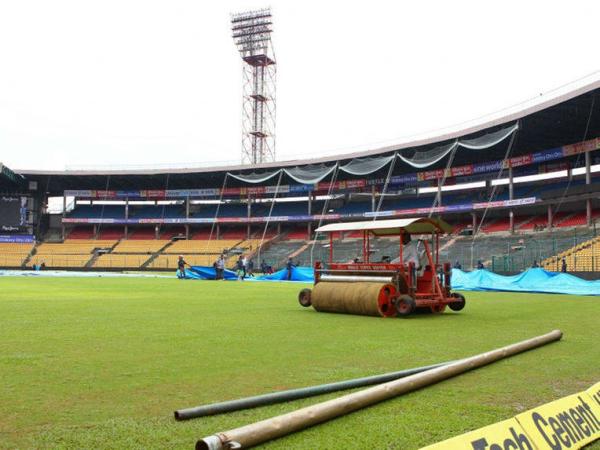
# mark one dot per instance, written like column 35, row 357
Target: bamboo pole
column 294, row 394
column 256, row 433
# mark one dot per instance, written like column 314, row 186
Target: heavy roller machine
column 394, row 288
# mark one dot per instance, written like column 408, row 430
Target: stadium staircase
column 448, row 244
column 566, row 219
column 297, row 252
column 29, row 256
column 528, row 223
column 156, row 254
column 92, row 261
column 278, row 252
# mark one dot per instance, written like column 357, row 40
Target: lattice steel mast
column 252, row 36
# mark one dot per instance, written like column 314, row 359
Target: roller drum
column 357, row 278
column 366, row 299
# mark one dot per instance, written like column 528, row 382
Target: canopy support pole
column 214, row 222
column 324, row 210
column 385, row 186
column 187, row 217
column 494, row 187
column 588, row 181
column 570, row 171
column 437, row 201
column 511, row 215
column 126, row 216
column 64, row 213
column 269, row 216
column 99, row 227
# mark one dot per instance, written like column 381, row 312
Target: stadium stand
column 81, row 232
column 144, row 233
column 276, row 254
column 74, row 246
column 151, row 211
column 213, row 247
column 13, row 254
column 172, row 232
column 496, row 225
column 70, row 253
column 203, row 234
column 230, row 233
column 583, row 257
column 119, row 261
column 577, row 219
column 97, row 212
column 250, row 245
column 297, row 233
column 169, row 262
column 148, row 246
column 111, row 233
column 531, row 222
column 163, row 208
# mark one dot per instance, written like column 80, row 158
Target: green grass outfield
column 102, row 363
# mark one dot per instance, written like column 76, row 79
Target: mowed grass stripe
column 104, row 362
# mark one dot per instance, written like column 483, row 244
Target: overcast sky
column 152, row 82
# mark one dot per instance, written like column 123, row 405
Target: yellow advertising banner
column 570, row 422
column 505, row 435
column 594, row 392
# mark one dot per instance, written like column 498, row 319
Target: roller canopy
column 419, row 225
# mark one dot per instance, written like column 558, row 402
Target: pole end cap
column 210, row 443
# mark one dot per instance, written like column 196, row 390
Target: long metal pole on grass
column 282, row 425
column 294, row 394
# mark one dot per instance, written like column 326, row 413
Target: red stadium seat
column 142, row 233
column 81, row 232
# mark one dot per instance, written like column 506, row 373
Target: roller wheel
column 438, row 309
column 458, row 305
column 304, row 297
column 405, row 305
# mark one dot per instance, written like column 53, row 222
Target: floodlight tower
column 252, row 36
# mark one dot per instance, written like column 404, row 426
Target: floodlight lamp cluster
column 252, row 31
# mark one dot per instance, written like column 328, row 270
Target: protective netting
column 255, row 178
column 421, row 159
column 312, row 174
column 366, row 166
column 426, row 158
column 490, row 139
column 309, row 174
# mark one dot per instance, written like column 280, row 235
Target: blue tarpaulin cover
column 208, row 273
column 298, row 274
column 532, row 280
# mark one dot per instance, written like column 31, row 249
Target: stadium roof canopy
column 568, row 115
column 11, row 181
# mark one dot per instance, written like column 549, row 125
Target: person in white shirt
column 413, row 252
